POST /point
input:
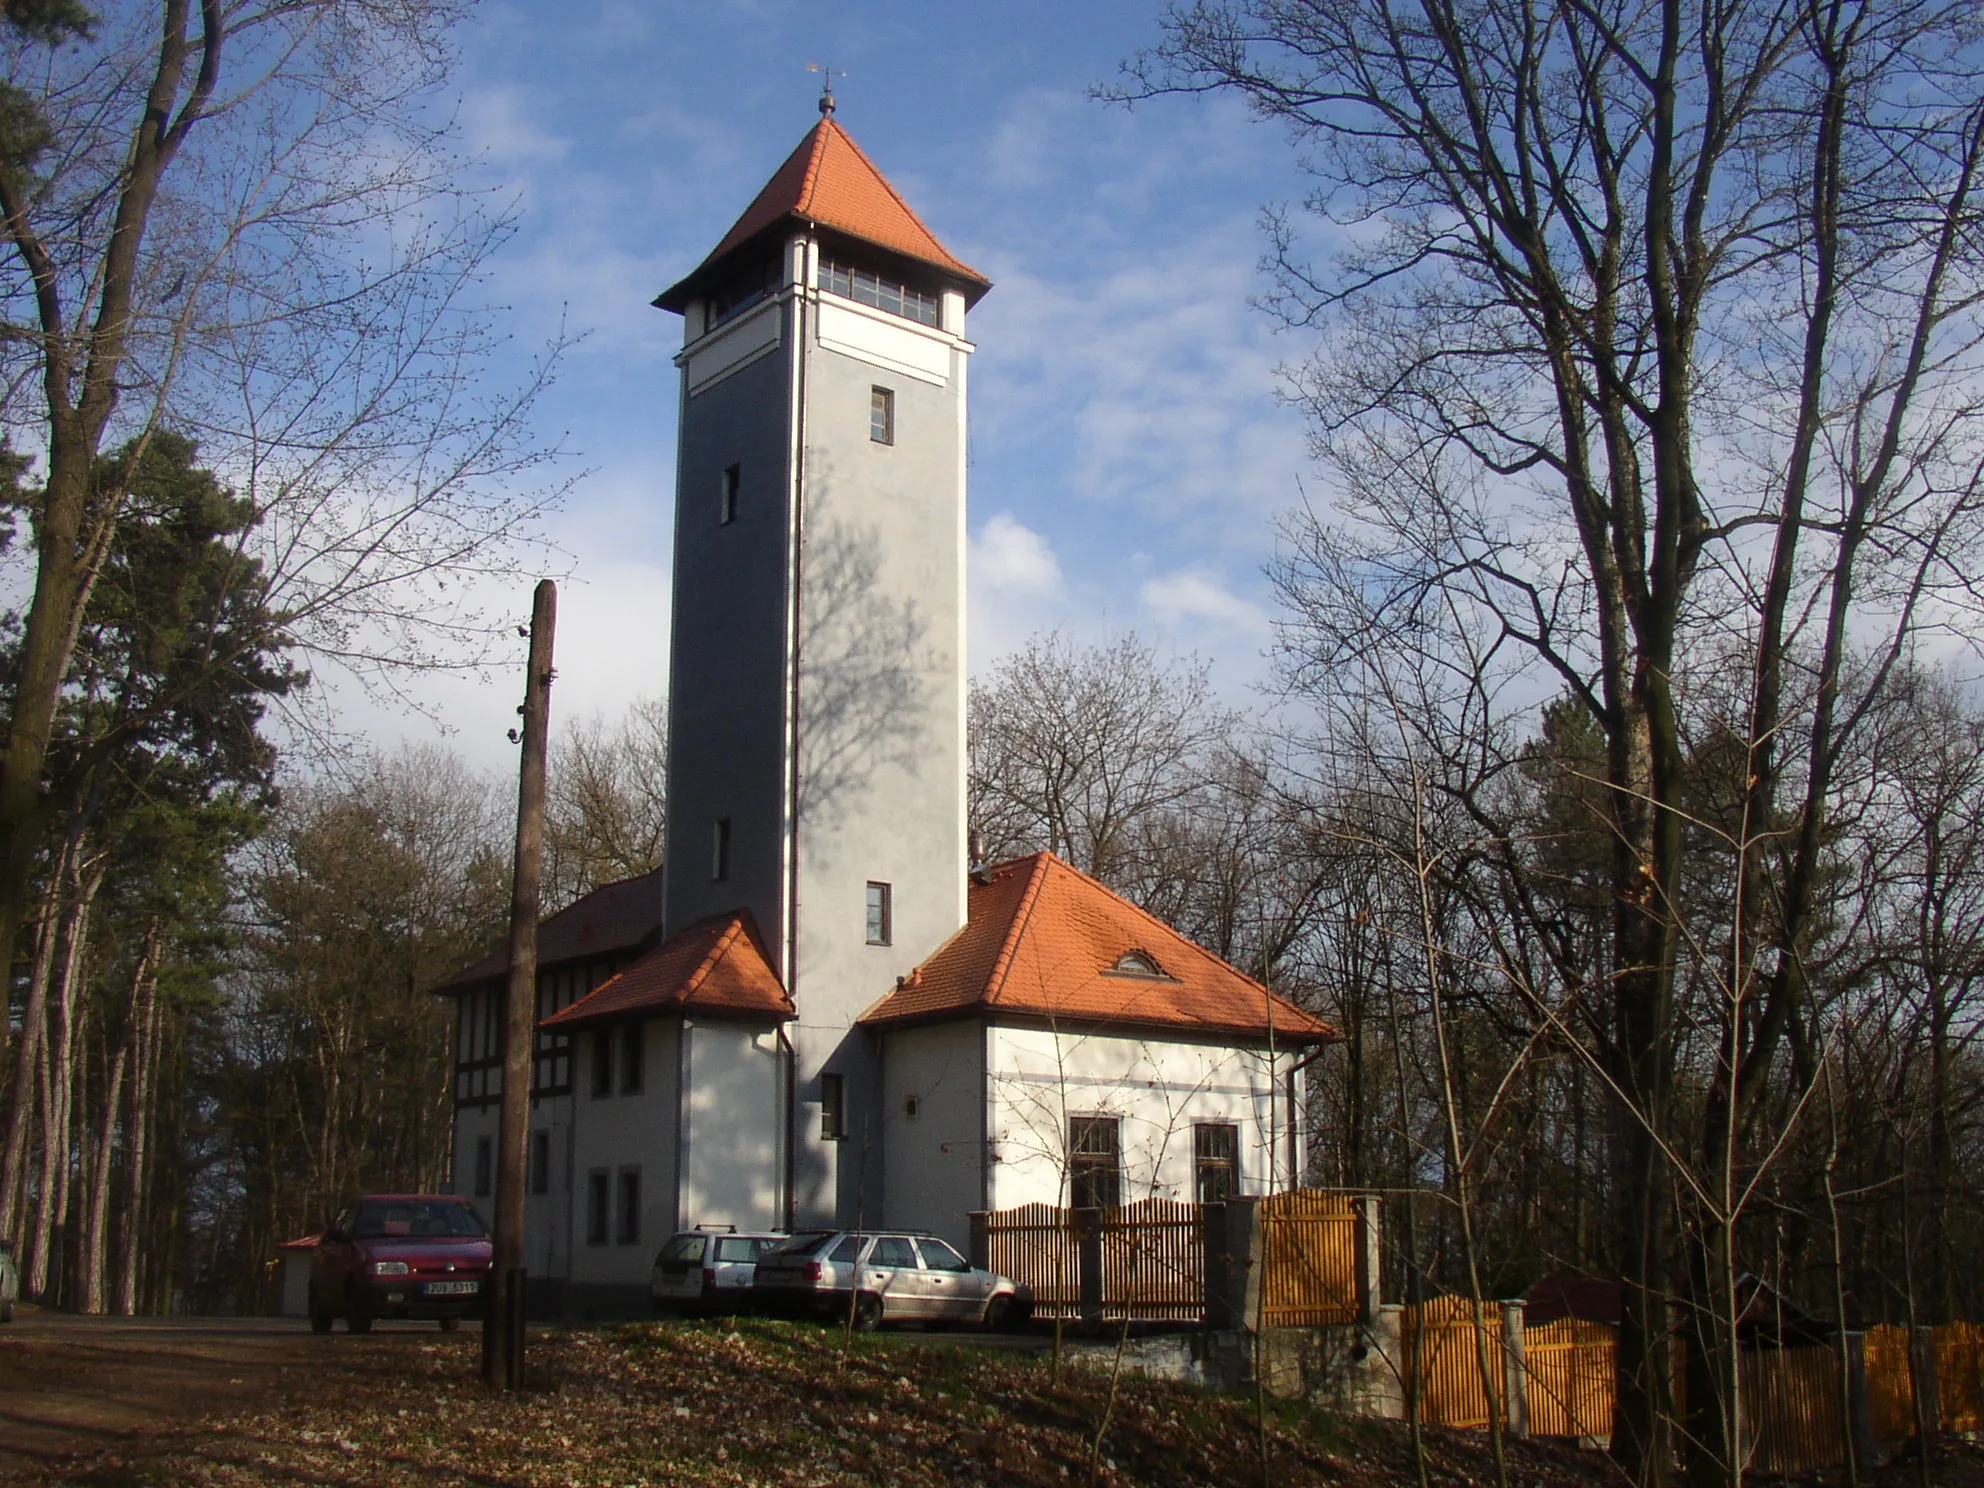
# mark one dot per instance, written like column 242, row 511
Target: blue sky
column 1128, row 455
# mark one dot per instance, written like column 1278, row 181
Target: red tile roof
column 613, row 919
column 716, row 967
column 1044, row 940
column 829, row 181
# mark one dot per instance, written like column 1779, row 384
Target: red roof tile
column 715, row 966
column 828, row 180
column 1044, row 940
column 613, row 919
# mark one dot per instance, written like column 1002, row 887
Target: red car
column 400, row 1256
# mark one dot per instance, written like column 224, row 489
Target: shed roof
column 1044, row 940
column 715, row 967
column 614, row 919
column 830, row 182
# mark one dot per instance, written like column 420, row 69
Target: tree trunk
column 137, row 1143
column 96, row 1199
column 58, row 1074
column 27, row 1052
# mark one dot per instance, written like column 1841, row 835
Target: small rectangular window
column 540, row 1162
column 599, row 1194
column 485, row 1154
column 726, row 511
column 629, row 1232
column 880, row 914
column 881, row 415
column 833, row 1108
column 602, row 1062
column 720, row 850
column 630, row 1060
column 1095, row 1166
column 1216, row 1161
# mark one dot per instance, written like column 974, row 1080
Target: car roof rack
column 718, row 1226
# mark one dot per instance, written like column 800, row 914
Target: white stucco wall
column 617, row 1131
column 1040, row 1077
column 732, row 1159
column 933, row 1160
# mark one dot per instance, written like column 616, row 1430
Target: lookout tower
column 817, row 670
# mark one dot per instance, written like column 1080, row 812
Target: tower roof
column 829, row 182
column 1044, row 940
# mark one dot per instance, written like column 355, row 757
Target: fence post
column 1860, row 1409
column 1088, row 1262
column 1515, row 1371
column 1369, row 1259
column 1922, row 1362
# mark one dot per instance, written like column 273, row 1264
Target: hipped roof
column 715, row 967
column 614, row 919
column 829, row 182
column 1045, row 941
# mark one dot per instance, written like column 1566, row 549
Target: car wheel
column 356, row 1319
column 867, row 1312
column 451, row 1324
column 1000, row 1314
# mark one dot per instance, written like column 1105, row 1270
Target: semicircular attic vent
column 1137, row 963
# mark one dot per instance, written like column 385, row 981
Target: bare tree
column 1652, row 352
column 609, row 801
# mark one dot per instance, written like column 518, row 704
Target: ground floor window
column 1095, row 1162
column 599, row 1197
column 1215, row 1161
column 485, row 1150
column 540, row 1162
column 630, row 1207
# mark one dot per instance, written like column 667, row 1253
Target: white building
column 820, row 1017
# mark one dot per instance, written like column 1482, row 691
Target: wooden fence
column 1036, row 1244
column 1960, row 1376
column 1569, row 1385
column 1153, row 1261
column 1309, row 1262
column 1442, row 1343
column 1793, row 1421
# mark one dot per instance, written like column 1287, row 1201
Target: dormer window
column 873, row 290
column 1138, row 964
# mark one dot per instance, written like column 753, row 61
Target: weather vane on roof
column 826, row 86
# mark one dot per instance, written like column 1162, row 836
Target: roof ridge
column 995, row 980
column 713, row 956
column 810, row 181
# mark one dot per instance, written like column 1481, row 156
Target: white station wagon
column 708, row 1269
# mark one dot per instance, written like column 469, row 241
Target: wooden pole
column 503, row 1325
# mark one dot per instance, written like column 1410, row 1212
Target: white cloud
column 1011, row 559
column 1194, row 594
column 502, row 123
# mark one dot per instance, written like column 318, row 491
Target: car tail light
column 812, row 1270
column 709, row 1276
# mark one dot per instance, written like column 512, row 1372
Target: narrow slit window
column 630, row 1207
column 726, row 509
column 485, row 1151
column 540, row 1162
column 881, row 914
column 599, row 1197
column 630, row 1060
column 833, row 1108
column 602, row 1062
column 720, row 850
column 882, row 415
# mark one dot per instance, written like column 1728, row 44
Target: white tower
column 817, row 674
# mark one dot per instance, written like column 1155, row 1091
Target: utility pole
column 503, row 1324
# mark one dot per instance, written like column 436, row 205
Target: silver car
column 873, row 1279
column 708, row 1269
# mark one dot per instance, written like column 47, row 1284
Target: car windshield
column 805, row 1243
column 416, row 1219
column 741, row 1247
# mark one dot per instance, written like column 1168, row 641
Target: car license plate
column 452, row 1288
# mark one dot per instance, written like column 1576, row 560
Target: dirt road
column 77, row 1388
